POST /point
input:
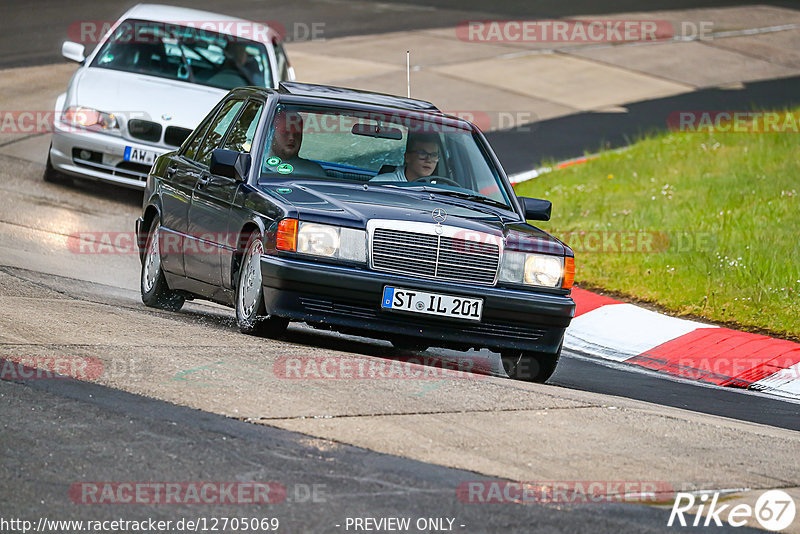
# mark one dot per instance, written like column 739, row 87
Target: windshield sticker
column 273, row 161
column 283, row 190
column 285, row 168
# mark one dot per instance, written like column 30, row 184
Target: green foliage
column 721, row 211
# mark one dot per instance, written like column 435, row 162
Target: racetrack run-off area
column 149, row 396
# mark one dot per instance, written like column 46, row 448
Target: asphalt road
column 31, row 33
column 161, row 424
column 530, row 146
column 61, row 432
column 49, row 447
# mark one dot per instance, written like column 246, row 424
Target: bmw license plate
column 137, row 155
column 414, row 301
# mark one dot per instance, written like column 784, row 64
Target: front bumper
column 112, row 166
column 348, row 299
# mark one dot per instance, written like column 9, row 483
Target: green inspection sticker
column 273, row 161
column 285, row 168
column 284, row 190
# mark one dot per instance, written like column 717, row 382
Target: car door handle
column 171, row 171
column 203, row 181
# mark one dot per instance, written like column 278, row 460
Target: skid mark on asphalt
column 419, row 412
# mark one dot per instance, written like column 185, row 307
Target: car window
column 395, row 147
column 241, row 137
column 197, row 137
column 217, row 131
column 196, row 55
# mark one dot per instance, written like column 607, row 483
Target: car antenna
column 408, row 72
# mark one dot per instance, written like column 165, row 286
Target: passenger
column 287, row 138
column 421, row 158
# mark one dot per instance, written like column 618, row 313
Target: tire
column 51, row 175
column 152, row 283
column 251, row 314
column 530, row 366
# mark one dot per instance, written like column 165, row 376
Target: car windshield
column 406, row 149
column 168, row 50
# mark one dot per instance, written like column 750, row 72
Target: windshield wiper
column 457, row 194
column 472, row 196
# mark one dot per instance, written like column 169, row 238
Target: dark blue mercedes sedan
column 359, row 212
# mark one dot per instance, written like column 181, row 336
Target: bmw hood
column 131, row 95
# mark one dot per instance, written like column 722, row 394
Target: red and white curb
column 613, row 330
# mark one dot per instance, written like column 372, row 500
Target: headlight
column 318, row 239
column 542, row 270
column 90, row 118
column 322, row 240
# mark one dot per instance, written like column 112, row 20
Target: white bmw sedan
column 147, row 84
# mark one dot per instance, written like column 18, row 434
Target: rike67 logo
column 774, row 510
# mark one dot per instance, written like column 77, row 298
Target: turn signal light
column 287, row 235
column 569, row 272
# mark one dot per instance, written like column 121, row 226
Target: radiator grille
column 434, row 256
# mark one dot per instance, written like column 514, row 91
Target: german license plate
column 137, row 155
column 422, row 302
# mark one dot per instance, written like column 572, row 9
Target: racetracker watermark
column 728, row 121
column 348, row 368
column 740, row 371
column 139, row 31
column 168, row 243
column 568, row 491
column 564, row 31
column 464, row 242
column 386, row 125
column 74, row 120
column 51, row 367
column 774, row 510
column 181, row 493
column 590, row 241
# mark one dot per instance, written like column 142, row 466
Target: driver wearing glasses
column 421, row 158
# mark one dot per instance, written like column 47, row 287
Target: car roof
column 312, row 93
column 254, row 31
column 354, row 95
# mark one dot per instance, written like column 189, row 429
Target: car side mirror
column 536, row 209
column 230, row 164
column 73, row 51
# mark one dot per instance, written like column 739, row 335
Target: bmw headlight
column 89, row 118
column 542, row 270
column 322, row 240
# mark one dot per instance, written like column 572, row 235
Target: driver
column 238, row 59
column 287, row 138
column 421, row 158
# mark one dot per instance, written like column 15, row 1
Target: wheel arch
column 252, row 225
column 151, row 212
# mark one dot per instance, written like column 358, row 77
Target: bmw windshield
column 403, row 149
column 177, row 52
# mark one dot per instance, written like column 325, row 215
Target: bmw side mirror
column 536, row 209
column 73, row 51
column 230, row 164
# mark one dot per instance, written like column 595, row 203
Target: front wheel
column 51, row 175
column 155, row 291
column 251, row 314
column 530, row 366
